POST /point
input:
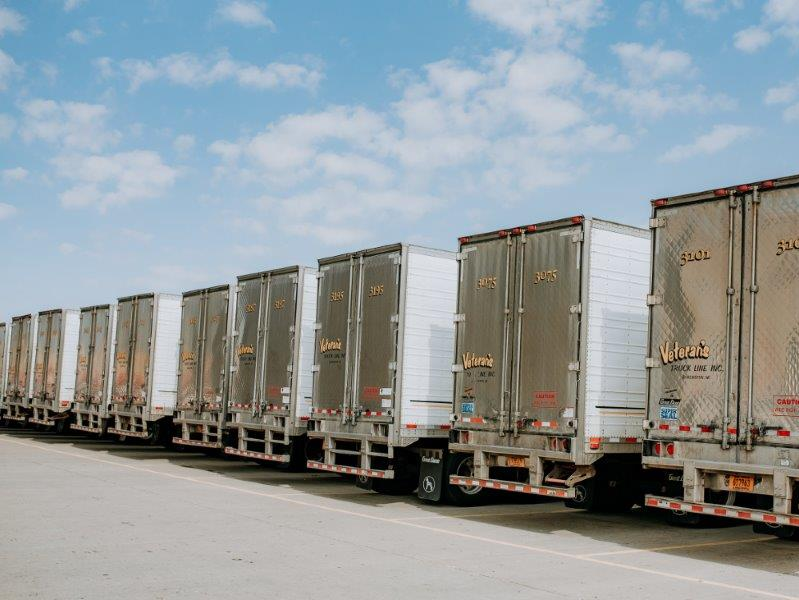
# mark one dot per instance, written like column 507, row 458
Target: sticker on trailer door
column 786, row 406
column 669, row 409
column 547, row 399
column 467, row 408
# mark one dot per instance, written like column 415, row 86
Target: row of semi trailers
column 595, row 362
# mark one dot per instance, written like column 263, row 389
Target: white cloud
column 190, row 70
column 171, row 278
column 183, row 144
column 544, row 21
column 7, row 126
column 140, row 237
column 8, row 69
column 782, row 94
column 791, row 113
column 243, row 12
column 752, row 39
column 250, row 250
column 651, row 13
column 84, row 36
column 10, row 21
column 104, row 181
column 650, row 102
column 15, row 174
column 70, row 5
column 7, row 210
column 73, row 125
column 67, row 248
column 716, row 140
column 710, row 9
column 650, row 63
column 49, row 70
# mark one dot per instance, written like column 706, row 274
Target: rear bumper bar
column 281, row 458
column 509, row 486
column 318, row 466
column 718, row 510
column 86, row 428
column 128, row 433
column 198, row 443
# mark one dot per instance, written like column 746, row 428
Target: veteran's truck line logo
column 326, row 345
column 473, row 361
column 672, row 351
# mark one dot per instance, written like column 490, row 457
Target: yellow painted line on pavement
column 681, row 546
column 420, row 526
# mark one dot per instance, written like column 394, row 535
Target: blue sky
column 165, row 146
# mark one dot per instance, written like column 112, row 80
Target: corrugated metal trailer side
column 722, row 424
column 5, row 333
column 22, row 347
column 382, row 383
column 271, row 380
column 55, row 364
column 204, row 372
column 94, row 369
column 145, row 366
column 550, row 374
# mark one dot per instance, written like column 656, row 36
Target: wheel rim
column 466, row 469
column 580, row 493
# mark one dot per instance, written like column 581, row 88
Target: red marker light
column 658, row 448
column 744, row 188
column 720, row 192
column 767, row 185
column 516, row 230
column 670, row 449
column 531, row 228
column 503, row 233
column 578, row 219
column 660, row 202
column 463, row 240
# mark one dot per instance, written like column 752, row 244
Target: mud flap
column 431, row 474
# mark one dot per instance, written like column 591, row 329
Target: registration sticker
column 669, row 413
column 740, row 483
column 467, row 408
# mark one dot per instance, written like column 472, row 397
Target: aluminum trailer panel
column 5, row 333
column 723, row 396
column 94, row 370
column 550, row 377
column 145, row 364
column 384, row 340
column 271, row 381
column 203, row 375
column 22, row 348
column 55, row 365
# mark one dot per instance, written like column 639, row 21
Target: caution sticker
column 786, row 406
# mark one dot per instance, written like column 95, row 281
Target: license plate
column 514, row 461
column 741, row 483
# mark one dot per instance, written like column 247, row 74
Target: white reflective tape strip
column 722, row 511
column 513, row 487
column 348, row 470
column 283, row 458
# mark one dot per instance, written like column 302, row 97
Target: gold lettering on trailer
column 785, row 245
column 245, row 349
column 696, row 255
column 376, row 290
column 193, row 321
column 188, row 356
column 280, row 303
column 550, row 276
column 326, row 345
column 337, row 295
column 473, row 361
column 487, row 283
column 672, row 351
column 249, row 307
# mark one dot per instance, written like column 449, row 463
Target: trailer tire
column 463, row 465
column 585, row 496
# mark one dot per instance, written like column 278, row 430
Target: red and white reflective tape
column 472, row 420
column 240, row 405
column 185, row 442
column 374, row 413
column 495, row 484
column 282, row 458
column 622, row 440
column 86, row 428
column 326, row 411
column 426, row 426
column 41, row 421
column 689, row 428
column 350, row 470
column 138, row 434
column 543, row 424
column 783, row 433
column 15, row 418
column 716, row 510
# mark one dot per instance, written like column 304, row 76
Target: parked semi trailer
column 54, row 365
column 145, row 366
column 549, row 372
column 22, row 347
column 382, row 391
column 271, row 379
column 722, row 424
column 204, row 368
column 93, row 376
column 4, row 343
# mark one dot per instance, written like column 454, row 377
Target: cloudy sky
column 167, row 145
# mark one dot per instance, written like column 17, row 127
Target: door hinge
column 457, row 368
column 459, row 318
column 656, row 222
column 392, row 366
column 317, row 326
column 578, row 237
column 314, row 368
column 651, row 363
column 576, row 309
column 320, row 274
column 653, row 300
column 394, row 318
column 574, row 366
column 462, row 255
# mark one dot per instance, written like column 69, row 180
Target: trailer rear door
column 85, row 341
column 247, row 347
column 694, row 329
column 214, row 348
column 40, row 358
column 547, row 331
column 377, row 307
column 53, row 356
column 141, row 349
column 279, row 349
column 483, row 351
column 123, row 357
column 100, row 325
column 17, row 368
column 190, row 326
column 334, row 307
column 771, row 313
